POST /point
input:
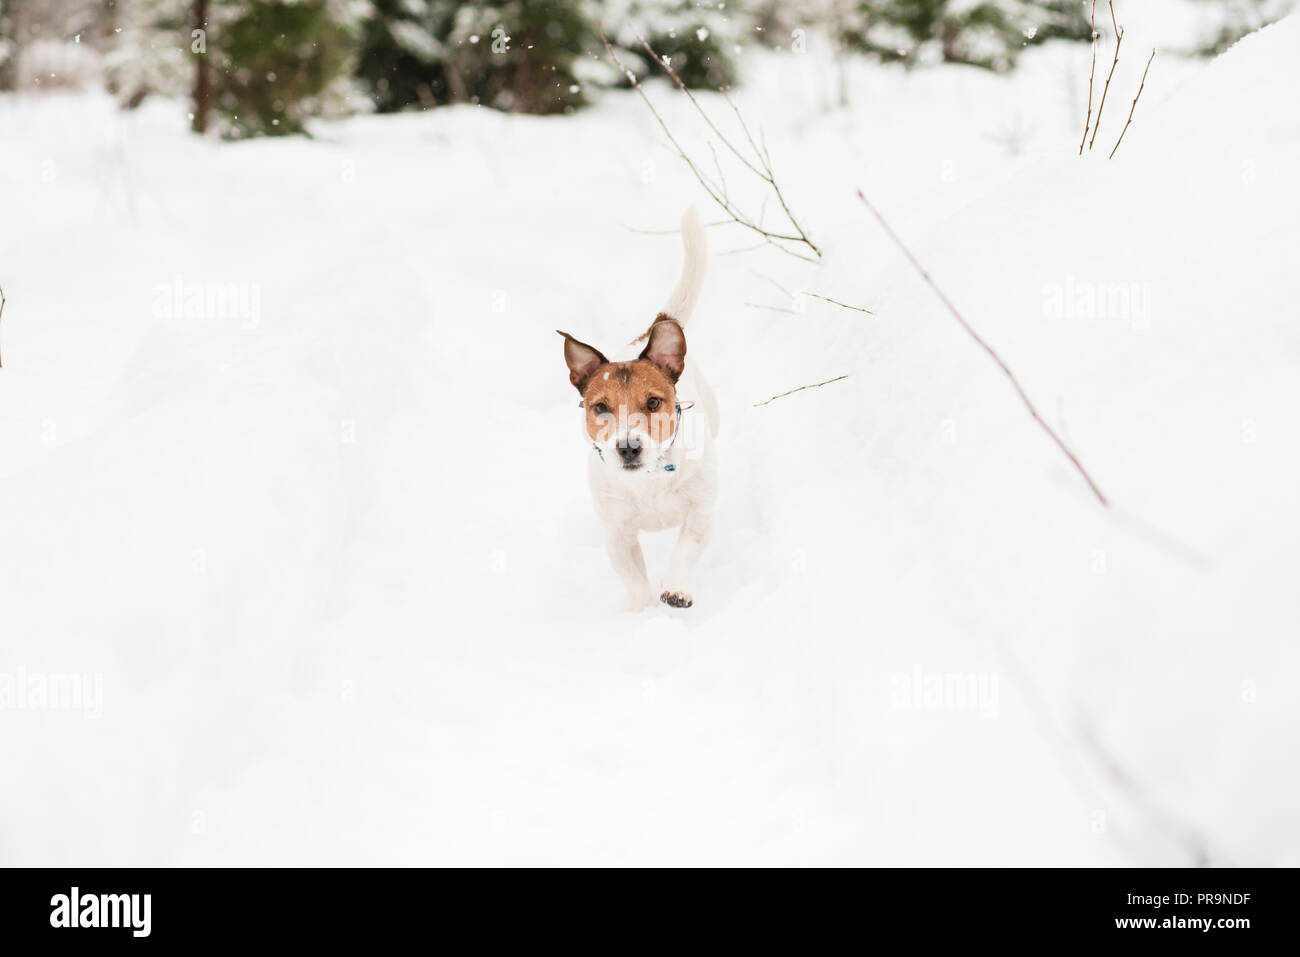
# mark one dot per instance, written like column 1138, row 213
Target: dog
column 650, row 423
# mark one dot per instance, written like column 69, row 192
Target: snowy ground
column 321, row 564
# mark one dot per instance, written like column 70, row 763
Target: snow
column 290, row 470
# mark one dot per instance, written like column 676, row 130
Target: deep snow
column 330, row 555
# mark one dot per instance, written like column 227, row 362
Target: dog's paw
column 678, row 599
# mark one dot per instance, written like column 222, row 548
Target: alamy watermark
column 946, row 691
column 1085, row 299
column 23, row 690
column 179, row 299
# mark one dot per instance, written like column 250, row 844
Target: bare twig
column 767, row 166
column 2, row 310
column 717, row 190
column 1134, row 106
column 1015, row 383
column 815, row 385
column 793, row 296
column 1087, row 120
column 722, row 177
column 1176, row 828
column 768, row 279
column 1119, row 38
column 836, row 302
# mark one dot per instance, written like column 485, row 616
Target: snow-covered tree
column 41, row 42
column 262, row 66
column 277, row 62
column 985, row 33
column 1240, row 17
column 698, row 39
column 401, row 59
column 149, row 53
column 8, row 45
column 510, row 54
column 536, row 56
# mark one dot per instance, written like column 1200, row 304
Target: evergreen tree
column 149, row 52
column 277, row 62
column 698, row 39
column 534, row 56
column 8, row 45
column 519, row 55
column 1240, row 17
column 989, row 34
column 401, row 61
column 263, row 66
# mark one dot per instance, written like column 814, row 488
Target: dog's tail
column 681, row 303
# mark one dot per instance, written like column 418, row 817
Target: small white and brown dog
column 651, row 421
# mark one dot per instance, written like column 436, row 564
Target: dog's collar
column 660, row 464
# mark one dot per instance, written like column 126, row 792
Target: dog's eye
column 653, row 404
column 600, row 408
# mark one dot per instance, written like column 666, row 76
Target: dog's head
column 630, row 406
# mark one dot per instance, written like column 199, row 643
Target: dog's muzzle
column 629, row 450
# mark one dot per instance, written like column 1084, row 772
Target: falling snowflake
column 702, row 34
column 1031, row 32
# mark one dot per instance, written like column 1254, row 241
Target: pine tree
column 8, row 46
column 989, row 34
column 261, row 66
column 401, row 60
column 1240, row 17
column 277, row 62
column 535, row 56
column 148, row 54
column 698, row 39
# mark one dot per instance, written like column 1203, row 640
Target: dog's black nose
column 629, row 449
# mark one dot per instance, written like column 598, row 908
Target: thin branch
column 704, row 181
column 759, row 305
column 722, row 177
column 836, row 302
column 2, row 310
column 1134, row 106
column 1178, row 830
column 1015, row 383
column 1119, row 38
column 768, row 279
column 792, row 296
column 788, row 252
column 1087, row 120
column 667, row 68
column 766, row 159
column 717, row 190
column 815, row 385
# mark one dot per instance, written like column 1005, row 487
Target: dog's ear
column 667, row 346
column 582, row 360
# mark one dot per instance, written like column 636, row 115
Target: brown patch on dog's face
column 630, row 398
column 630, row 406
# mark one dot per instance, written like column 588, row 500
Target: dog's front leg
column 691, row 542
column 626, row 557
